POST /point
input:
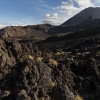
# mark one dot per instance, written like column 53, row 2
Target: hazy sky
column 30, row 12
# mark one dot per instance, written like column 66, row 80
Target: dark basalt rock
column 29, row 74
column 22, row 78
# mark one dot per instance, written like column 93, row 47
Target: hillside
column 86, row 19
column 26, row 31
column 88, row 23
column 67, row 40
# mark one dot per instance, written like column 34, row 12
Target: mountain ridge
column 25, row 31
column 86, row 19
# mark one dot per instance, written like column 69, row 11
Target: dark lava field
column 45, row 62
column 70, row 73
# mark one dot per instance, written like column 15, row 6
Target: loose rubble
column 63, row 74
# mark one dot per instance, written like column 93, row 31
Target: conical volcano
column 92, row 12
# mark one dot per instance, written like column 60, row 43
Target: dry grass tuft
column 31, row 57
column 39, row 59
column 60, row 53
column 42, row 98
column 53, row 84
column 54, row 62
column 79, row 97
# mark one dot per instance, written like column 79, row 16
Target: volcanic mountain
column 83, row 15
column 86, row 19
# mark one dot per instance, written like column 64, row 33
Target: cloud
column 2, row 26
column 84, row 3
column 68, row 9
column 54, row 16
column 52, row 19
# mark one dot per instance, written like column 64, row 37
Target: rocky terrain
column 45, row 62
column 72, row 73
column 67, row 40
column 87, row 19
column 29, row 74
column 35, row 31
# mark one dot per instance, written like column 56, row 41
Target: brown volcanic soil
column 26, row 31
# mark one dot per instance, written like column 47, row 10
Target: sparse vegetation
column 53, row 84
column 60, row 53
column 39, row 59
column 54, row 62
column 31, row 57
column 79, row 97
column 42, row 98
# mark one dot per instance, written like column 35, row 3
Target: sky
column 32, row 12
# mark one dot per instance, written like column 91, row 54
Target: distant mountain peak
column 90, row 13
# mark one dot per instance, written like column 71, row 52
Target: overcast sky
column 31, row 12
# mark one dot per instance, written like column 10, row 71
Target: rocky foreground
column 29, row 74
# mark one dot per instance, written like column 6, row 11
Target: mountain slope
column 83, row 15
column 89, row 23
column 67, row 40
column 26, row 31
column 87, row 19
